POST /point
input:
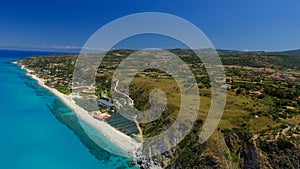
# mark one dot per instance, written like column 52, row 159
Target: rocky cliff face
column 241, row 150
column 278, row 154
column 256, row 153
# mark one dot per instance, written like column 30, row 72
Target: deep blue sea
column 37, row 130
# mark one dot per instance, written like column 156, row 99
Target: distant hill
column 290, row 52
column 295, row 52
column 281, row 60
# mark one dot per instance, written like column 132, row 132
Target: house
column 277, row 78
column 228, row 80
column 226, row 87
column 76, row 95
column 255, row 93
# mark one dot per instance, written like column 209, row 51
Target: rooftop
column 105, row 103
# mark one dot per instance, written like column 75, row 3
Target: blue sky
column 229, row 24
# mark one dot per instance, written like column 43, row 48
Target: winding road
column 130, row 100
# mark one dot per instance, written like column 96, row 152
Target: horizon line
column 72, row 50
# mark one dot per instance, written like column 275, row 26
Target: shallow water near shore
column 38, row 131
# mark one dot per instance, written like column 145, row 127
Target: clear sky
column 229, row 24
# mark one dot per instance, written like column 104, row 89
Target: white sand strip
column 120, row 139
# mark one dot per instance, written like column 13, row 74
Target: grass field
column 240, row 110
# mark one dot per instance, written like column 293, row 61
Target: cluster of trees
column 204, row 80
column 282, row 93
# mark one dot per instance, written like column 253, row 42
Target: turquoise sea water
column 38, row 131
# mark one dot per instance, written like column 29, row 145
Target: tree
column 239, row 91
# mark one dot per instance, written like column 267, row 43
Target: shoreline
column 116, row 137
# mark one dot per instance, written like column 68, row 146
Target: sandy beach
column 118, row 138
